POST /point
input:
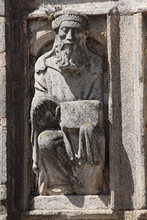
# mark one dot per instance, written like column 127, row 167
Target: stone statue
column 66, row 113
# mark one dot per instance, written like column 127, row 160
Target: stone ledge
column 136, row 215
column 95, row 8
column 71, row 214
column 71, row 202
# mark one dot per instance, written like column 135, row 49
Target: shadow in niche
column 77, row 200
column 127, row 183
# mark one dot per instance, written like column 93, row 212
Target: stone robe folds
column 66, row 160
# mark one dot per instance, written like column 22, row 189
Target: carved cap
column 78, row 17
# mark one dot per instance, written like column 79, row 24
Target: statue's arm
column 43, row 109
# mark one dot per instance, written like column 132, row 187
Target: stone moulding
column 73, row 215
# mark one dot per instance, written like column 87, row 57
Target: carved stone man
column 66, row 113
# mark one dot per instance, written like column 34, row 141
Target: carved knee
column 49, row 139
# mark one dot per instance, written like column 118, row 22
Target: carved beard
column 71, row 57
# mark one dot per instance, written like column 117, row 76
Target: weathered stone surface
column 74, row 215
column 75, row 114
column 2, row 59
column 71, row 202
column 2, row 31
column 2, row 7
column 3, row 217
column 3, row 131
column 131, row 101
column 2, row 92
column 3, row 192
column 3, row 155
column 3, row 171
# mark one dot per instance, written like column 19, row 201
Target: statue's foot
column 60, row 190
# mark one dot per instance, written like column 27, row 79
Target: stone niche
column 113, row 37
column 77, row 70
column 41, row 40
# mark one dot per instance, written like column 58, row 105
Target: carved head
column 70, row 42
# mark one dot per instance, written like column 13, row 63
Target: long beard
column 70, row 57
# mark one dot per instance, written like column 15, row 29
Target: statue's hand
column 42, row 108
column 46, row 114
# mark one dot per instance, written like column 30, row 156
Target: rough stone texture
column 3, row 59
column 71, row 202
column 145, row 86
column 127, row 176
column 3, row 155
column 74, row 215
column 3, row 217
column 80, row 112
column 2, row 8
column 139, row 105
column 119, row 215
column 2, row 31
column 132, row 156
column 2, row 93
column 3, row 119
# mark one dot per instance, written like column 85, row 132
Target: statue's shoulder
column 96, row 62
column 43, row 61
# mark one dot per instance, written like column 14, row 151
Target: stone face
column 3, row 119
column 71, row 202
column 2, row 7
column 2, row 92
column 2, row 31
column 75, row 114
column 3, row 59
column 3, row 155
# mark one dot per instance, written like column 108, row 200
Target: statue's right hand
column 41, row 108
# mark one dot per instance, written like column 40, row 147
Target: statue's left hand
column 46, row 113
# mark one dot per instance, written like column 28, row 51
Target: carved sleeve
column 43, row 113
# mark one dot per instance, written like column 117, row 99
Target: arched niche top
column 41, row 39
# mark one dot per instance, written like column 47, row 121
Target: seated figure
column 66, row 113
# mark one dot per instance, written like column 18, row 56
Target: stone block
column 71, row 202
column 2, row 7
column 3, row 192
column 3, row 59
column 3, row 155
column 75, row 114
column 2, row 92
column 2, row 31
column 72, row 214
